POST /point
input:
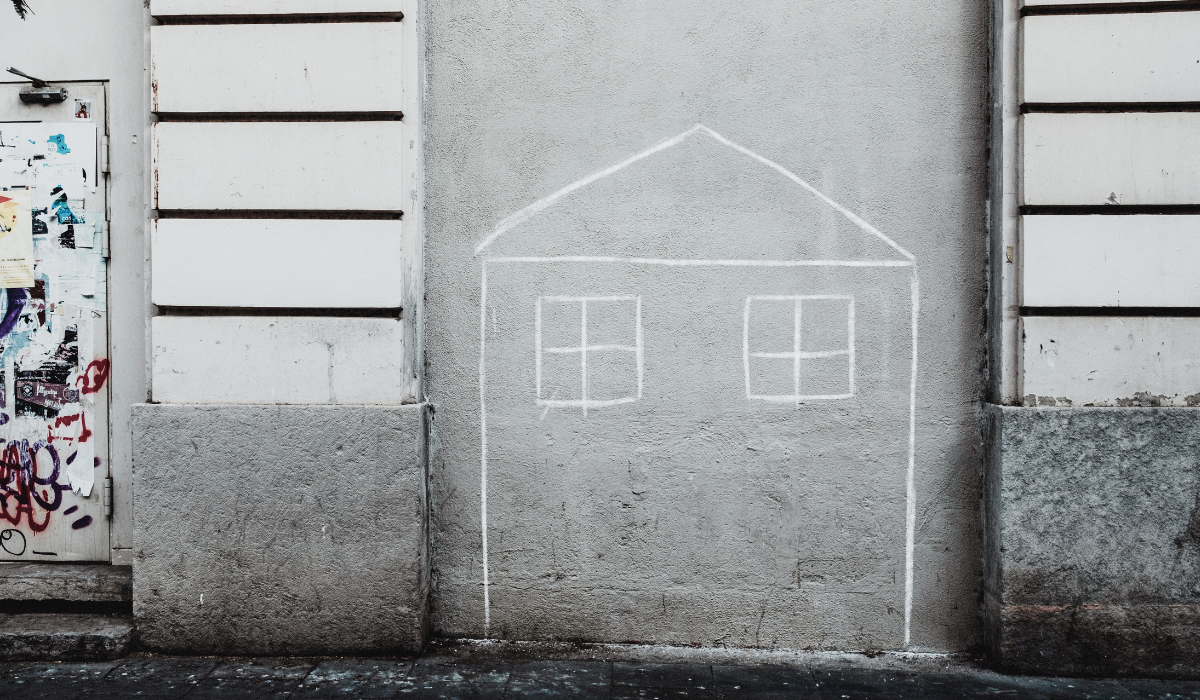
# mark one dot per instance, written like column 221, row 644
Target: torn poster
column 25, row 145
column 53, row 364
column 16, row 239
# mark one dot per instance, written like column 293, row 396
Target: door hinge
column 104, row 165
column 102, row 230
column 108, row 495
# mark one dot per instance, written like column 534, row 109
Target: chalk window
column 798, row 348
column 589, row 351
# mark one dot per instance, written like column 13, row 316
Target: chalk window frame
column 584, row 349
column 797, row 354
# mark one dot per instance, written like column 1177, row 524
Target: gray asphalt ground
column 454, row 674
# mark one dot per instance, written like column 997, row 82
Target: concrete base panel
column 1092, row 541
column 280, row 529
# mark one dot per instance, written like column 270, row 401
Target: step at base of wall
column 93, row 583
column 64, row 637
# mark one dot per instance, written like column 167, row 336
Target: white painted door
column 55, row 495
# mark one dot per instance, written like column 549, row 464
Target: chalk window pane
column 824, row 325
column 612, row 375
column 772, row 325
column 562, row 377
column 562, row 323
column 825, row 376
column 772, row 376
column 612, row 322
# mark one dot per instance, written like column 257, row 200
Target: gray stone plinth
column 101, row 583
column 1092, row 540
column 64, row 637
column 280, row 529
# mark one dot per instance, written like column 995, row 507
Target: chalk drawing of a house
column 697, row 341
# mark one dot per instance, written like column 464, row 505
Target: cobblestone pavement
column 447, row 677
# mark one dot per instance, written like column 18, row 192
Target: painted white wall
column 330, row 67
column 302, row 263
column 1111, row 361
column 1119, row 158
column 279, row 165
column 277, row 360
column 1149, row 57
column 268, row 7
column 1111, row 260
column 1109, row 156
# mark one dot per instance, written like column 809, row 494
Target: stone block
column 1092, row 540
column 280, row 529
column 98, row 583
column 64, row 637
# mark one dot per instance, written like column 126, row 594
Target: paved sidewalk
column 449, row 677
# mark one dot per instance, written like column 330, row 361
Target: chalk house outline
column 532, row 210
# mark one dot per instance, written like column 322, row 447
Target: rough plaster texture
column 696, row 516
column 280, row 529
column 1092, row 540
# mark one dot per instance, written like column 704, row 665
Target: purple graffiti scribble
column 82, row 523
column 17, row 297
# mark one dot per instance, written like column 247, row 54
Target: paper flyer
column 16, row 239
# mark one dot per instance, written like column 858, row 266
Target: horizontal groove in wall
column 65, row 607
column 1109, row 209
column 309, row 18
column 340, row 312
column 279, row 116
column 348, row 215
column 1112, row 8
column 1161, row 311
column 1107, row 107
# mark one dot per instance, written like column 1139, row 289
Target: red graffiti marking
column 53, row 433
column 24, row 493
column 93, row 378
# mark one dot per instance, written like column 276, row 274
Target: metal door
column 55, row 491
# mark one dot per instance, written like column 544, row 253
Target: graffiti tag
column 25, row 493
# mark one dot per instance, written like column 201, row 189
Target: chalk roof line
column 515, row 219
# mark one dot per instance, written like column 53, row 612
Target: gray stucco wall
column 879, row 105
column 280, row 529
column 1093, row 540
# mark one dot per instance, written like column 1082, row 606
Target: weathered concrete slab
column 64, row 637
column 96, row 583
column 280, row 529
column 1092, row 540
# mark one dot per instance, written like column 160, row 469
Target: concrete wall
column 694, row 513
column 1093, row 540
column 280, row 529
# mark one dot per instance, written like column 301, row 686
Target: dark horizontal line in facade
column 396, row 313
column 351, row 215
column 280, row 116
column 1184, row 311
column 1111, row 8
column 1110, row 209
column 296, row 18
column 1106, row 107
column 66, row 607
